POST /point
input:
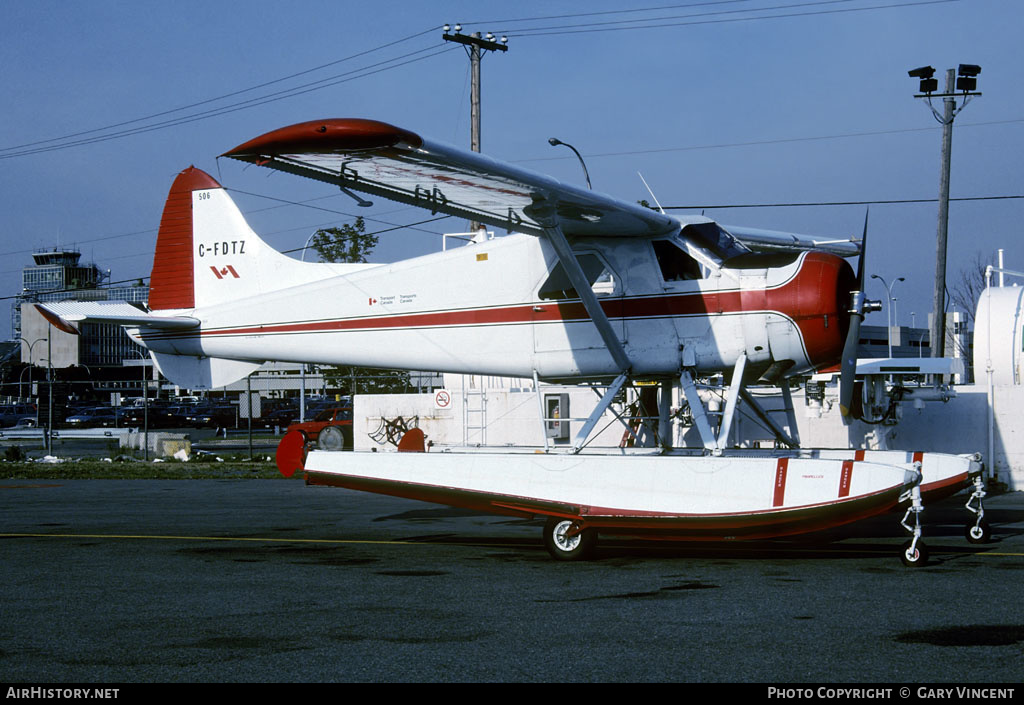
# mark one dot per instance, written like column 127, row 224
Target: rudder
column 171, row 281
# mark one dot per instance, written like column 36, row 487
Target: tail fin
column 171, row 281
column 206, row 254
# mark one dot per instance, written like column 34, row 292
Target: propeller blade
column 848, row 367
column 863, row 252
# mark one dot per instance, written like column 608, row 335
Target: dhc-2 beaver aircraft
column 585, row 288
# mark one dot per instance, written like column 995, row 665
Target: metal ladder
column 474, row 410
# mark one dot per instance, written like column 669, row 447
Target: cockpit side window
column 600, row 277
column 676, row 264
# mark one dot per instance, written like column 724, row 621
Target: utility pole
column 966, row 84
column 939, row 295
column 475, row 46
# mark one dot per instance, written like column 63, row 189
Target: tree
column 349, row 243
column 969, row 284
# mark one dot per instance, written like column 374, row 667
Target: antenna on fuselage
column 651, row 192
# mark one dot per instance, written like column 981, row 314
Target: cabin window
column 676, row 264
column 600, row 277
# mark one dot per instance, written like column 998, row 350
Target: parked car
column 282, row 418
column 331, row 429
column 212, row 415
column 97, row 417
column 10, row 414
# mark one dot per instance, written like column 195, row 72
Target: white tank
column 999, row 335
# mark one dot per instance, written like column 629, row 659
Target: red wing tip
column 335, row 134
column 56, row 321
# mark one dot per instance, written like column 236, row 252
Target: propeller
column 859, row 306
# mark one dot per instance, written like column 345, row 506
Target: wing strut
column 716, row 443
column 700, row 416
column 579, row 282
column 595, row 415
column 604, row 327
column 780, row 433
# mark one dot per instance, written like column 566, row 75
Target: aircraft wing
column 65, row 314
column 387, row 161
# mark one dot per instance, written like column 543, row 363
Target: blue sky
column 806, row 102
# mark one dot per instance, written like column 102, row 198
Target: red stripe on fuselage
column 808, row 299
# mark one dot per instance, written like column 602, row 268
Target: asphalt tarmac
column 109, row 581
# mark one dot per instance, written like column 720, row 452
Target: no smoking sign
column 442, row 399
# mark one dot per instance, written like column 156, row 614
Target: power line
column 662, row 24
column 837, row 203
column 29, row 297
column 281, row 201
column 781, row 140
column 625, row 23
column 387, row 230
column 610, row 12
column 220, row 97
column 250, row 103
column 337, row 212
column 47, row 145
column 686, row 207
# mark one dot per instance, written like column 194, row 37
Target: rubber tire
column 578, row 548
column 919, row 558
column 331, row 438
column 978, row 533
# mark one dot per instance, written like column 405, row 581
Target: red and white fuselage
column 496, row 307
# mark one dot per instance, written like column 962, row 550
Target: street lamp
column 554, row 142
column 892, row 302
column 306, row 246
column 30, row 365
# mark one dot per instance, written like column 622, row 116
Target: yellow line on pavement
column 201, row 538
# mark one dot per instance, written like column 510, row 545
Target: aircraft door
column 561, row 322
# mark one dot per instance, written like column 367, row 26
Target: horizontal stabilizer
column 202, row 373
column 64, row 314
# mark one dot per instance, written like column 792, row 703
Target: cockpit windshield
column 716, row 240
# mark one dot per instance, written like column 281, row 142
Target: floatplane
column 584, row 288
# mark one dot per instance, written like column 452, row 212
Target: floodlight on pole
column 925, row 73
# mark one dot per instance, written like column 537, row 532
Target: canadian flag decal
column 225, row 271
